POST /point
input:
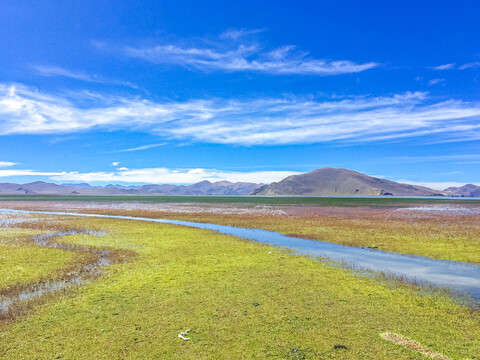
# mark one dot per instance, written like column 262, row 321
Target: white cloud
column 230, row 52
column 155, row 175
column 444, row 67
column 181, row 176
column 435, row 81
column 59, row 71
column 173, row 176
column 470, row 65
column 236, row 34
column 115, row 163
column 144, row 147
column 50, row 71
column 6, row 164
column 442, row 158
column 26, row 172
column 260, row 121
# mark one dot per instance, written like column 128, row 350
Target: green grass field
column 22, row 263
column 241, row 300
column 274, row 200
column 442, row 236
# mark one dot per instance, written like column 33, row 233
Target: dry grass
column 436, row 235
column 413, row 345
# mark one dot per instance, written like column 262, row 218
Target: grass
column 242, row 300
column 439, row 236
column 22, row 263
column 447, row 237
column 413, row 345
column 273, row 200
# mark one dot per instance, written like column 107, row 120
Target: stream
column 458, row 276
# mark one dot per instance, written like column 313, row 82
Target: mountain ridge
column 319, row 182
column 201, row 188
column 467, row 190
column 342, row 182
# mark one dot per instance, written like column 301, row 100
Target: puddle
column 458, row 276
column 443, row 209
column 81, row 277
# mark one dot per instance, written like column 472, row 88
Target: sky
column 184, row 91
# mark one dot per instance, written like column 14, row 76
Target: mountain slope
column 201, row 188
column 341, row 182
column 468, row 190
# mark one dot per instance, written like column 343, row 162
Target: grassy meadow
column 376, row 201
column 22, row 262
column 447, row 235
column 241, row 300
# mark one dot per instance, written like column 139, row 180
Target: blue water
column 456, row 275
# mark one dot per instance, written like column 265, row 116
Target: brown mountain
column 468, row 190
column 341, row 182
column 45, row 188
column 201, row 188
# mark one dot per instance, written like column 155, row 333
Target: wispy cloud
column 27, row 172
column 236, row 34
column 452, row 66
column 470, row 65
column 435, row 81
column 232, row 52
column 444, row 67
column 59, row 71
column 178, row 176
column 51, row 71
column 173, row 176
column 6, row 164
column 457, row 158
column 260, row 121
column 144, row 147
column 155, row 175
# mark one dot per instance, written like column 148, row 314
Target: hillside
column 468, row 190
column 201, row 188
column 341, row 182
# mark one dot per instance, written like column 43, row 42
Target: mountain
column 341, row 182
column 80, row 185
column 321, row 182
column 41, row 187
column 44, row 188
column 11, row 188
column 201, row 188
column 118, row 186
column 157, row 189
column 468, row 190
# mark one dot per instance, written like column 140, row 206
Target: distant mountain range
column 201, row 188
column 343, row 182
column 468, row 190
column 321, row 182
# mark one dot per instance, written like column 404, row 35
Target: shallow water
column 456, row 275
column 35, row 290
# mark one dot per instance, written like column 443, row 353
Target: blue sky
column 178, row 92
